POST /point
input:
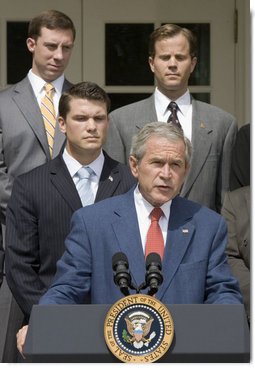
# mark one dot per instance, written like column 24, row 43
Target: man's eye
column 177, row 164
column 181, row 57
column 164, row 57
column 80, row 118
column 51, row 47
column 156, row 163
column 100, row 118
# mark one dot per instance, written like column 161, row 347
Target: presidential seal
column 138, row 329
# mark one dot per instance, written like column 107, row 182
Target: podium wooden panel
column 74, row 333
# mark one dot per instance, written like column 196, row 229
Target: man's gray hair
column 169, row 131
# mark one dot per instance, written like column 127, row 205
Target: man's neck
column 172, row 94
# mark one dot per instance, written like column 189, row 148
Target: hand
column 21, row 338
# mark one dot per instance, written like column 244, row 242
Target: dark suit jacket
column 213, row 136
column 23, row 141
column 38, row 220
column 236, row 210
column 194, row 266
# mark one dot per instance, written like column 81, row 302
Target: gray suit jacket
column 213, row 136
column 236, row 210
column 23, row 141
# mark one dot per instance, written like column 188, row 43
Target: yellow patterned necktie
column 48, row 113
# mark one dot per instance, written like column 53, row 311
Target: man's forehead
column 85, row 103
column 164, row 141
column 66, row 35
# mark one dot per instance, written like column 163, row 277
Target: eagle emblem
column 138, row 326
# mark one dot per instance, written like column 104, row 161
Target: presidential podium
column 75, row 333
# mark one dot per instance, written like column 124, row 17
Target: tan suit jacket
column 236, row 210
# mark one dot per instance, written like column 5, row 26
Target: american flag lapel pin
column 185, row 231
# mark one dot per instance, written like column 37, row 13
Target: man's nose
column 166, row 171
column 91, row 125
column 172, row 62
column 59, row 53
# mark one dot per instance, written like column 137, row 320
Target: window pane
column 205, row 96
column 122, row 99
column 126, row 55
column 19, row 59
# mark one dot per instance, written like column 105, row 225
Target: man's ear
column 133, row 166
column 31, row 44
column 193, row 64
column 151, row 63
column 62, row 124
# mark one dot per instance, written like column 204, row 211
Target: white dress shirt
column 184, row 112
column 73, row 166
column 143, row 210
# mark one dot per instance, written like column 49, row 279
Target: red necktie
column 155, row 240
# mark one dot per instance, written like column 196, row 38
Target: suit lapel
column 179, row 235
column 126, row 223
column 23, row 93
column 202, row 135
column 109, row 179
column 147, row 112
column 61, row 179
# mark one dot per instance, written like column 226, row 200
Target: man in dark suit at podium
column 194, row 264
column 43, row 200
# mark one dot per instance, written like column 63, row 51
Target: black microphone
column 153, row 277
column 122, row 277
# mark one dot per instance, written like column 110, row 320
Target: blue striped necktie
column 85, row 174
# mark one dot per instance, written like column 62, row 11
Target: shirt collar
column 38, row 83
column 146, row 207
column 162, row 101
column 73, row 165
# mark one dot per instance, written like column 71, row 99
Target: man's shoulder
column 19, row 86
column 36, row 174
column 194, row 209
column 116, row 165
column 6, row 92
column 237, row 197
column 211, row 110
